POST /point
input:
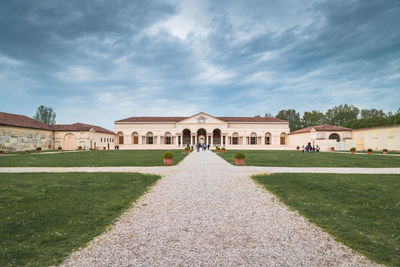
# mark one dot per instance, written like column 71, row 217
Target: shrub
column 168, row 155
column 27, row 151
column 38, row 148
column 217, row 148
column 59, row 148
column 384, row 150
column 353, row 149
column 369, row 150
column 332, row 148
column 239, row 156
column 1, row 152
column 297, row 147
column 223, row 148
column 187, row 148
column 80, row 147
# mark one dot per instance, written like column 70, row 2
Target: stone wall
column 21, row 139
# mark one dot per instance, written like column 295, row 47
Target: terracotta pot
column 223, row 151
column 168, row 162
column 352, row 152
column 80, row 148
column 38, row 151
column 332, row 149
column 384, row 152
column 1, row 152
column 187, row 151
column 239, row 162
column 369, row 153
column 59, row 150
column 218, row 151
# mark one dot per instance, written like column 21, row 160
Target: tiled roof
column 176, row 119
column 79, row 127
column 22, row 121
column 323, row 127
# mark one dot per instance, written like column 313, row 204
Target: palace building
column 202, row 128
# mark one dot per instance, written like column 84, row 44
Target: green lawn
column 276, row 158
column 361, row 211
column 45, row 216
column 90, row 158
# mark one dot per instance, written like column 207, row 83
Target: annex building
column 202, row 128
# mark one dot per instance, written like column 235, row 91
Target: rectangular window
column 101, row 139
column 267, row 141
column 150, row 140
column 168, row 140
column 234, row 140
column 253, row 140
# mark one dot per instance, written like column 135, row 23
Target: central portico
column 202, row 128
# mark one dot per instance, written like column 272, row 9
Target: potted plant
column 27, row 151
column 239, row 159
column 218, row 149
column 369, row 151
column 1, row 152
column 223, row 149
column 384, row 151
column 187, row 150
column 332, row 149
column 297, row 148
column 352, row 150
column 59, row 149
column 38, row 149
column 80, row 147
column 168, row 158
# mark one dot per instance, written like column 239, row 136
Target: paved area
column 206, row 212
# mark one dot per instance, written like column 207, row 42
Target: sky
column 100, row 61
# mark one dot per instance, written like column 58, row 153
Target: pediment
column 202, row 118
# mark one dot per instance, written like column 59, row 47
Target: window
column 253, row 140
column 168, row 140
column 101, row 139
column 234, row 140
column 150, row 140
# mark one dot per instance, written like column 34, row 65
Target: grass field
column 361, row 211
column 276, row 158
column 44, row 217
column 90, row 158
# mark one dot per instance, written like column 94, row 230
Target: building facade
column 202, row 128
column 20, row 133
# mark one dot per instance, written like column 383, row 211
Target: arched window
column 253, row 139
column 149, row 138
column 283, row 138
column 135, row 138
column 120, row 138
column 235, row 138
column 167, row 138
column 268, row 138
column 186, row 137
column 335, row 136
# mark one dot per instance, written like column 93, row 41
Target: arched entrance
column 149, row 138
column 217, row 137
column 267, row 138
column 69, row 142
column 135, row 138
column 201, row 136
column 335, row 136
column 186, row 137
column 120, row 138
column 283, row 138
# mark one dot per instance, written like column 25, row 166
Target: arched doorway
column 268, row 138
column 235, row 138
column 334, row 136
column 253, row 139
column 69, row 142
column 283, row 138
column 120, row 136
column 186, row 137
column 201, row 136
column 149, row 138
column 217, row 137
column 135, row 138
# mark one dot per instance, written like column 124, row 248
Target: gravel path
column 207, row 212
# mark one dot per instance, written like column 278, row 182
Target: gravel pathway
column 207, row 212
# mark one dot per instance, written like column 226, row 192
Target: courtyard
column 202, row 211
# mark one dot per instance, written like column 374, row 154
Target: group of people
column 204, row 147
column 310, row 148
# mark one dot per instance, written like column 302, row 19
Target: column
column 221, row 140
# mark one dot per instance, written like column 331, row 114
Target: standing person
column 208, row 147
column 302, row 148
column 204, row 147
column 197, row 147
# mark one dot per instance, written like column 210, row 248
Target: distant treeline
column 343, row 115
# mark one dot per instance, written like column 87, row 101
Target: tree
column 292, row 116
column 45, row 115
column 369, row 113
column 313, row 118
column 257, row 116
column 268, row 114
column 338, row 115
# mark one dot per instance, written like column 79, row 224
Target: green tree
column 313, row 118
column 338, row 115
column 268, row 115
column 369, row 113
column 292, row 116
column 45, row 115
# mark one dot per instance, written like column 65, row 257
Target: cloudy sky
column 100, row 61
